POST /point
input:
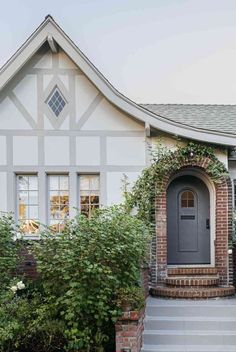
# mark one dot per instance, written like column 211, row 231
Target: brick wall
column 129, row 329
column 28, row 264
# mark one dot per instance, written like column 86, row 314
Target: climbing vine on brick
column 165, row 162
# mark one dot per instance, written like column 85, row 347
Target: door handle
column 207, row 224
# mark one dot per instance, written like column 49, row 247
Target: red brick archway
column 223, row 223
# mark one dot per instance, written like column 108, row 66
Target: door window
column 187, row 199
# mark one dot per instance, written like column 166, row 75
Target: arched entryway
column 188, row 222
column 216, row 195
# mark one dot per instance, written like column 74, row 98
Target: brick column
column 129, row 329
column 222, row 232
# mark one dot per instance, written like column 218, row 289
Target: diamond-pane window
column 56, row 102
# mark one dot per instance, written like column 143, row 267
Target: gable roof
column 215, row 118
column 140, row 112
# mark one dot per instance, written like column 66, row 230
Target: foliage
column 233, row 242
column 28, row 323
column 82, row 269
column 131, row 297
column 73, row 305
column 165, row 162
column 9, row 250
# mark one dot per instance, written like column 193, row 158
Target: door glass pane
column 187, row 199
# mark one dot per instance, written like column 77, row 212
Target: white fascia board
column 49, row 27
column 24, row 54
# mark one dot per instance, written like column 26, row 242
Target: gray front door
column 188, row 224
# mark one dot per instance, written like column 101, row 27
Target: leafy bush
column 74, row 303
column 28, row 323
column 9, row 250
column 130, row 298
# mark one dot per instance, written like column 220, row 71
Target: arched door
column 188, row 224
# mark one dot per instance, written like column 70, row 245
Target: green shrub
column 28, row 323
column 83, row 268
column 74, row 303
column 131, row 298
column 9, row 250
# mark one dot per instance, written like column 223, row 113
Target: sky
column 152, row 51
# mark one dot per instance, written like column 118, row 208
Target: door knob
column 207, row 224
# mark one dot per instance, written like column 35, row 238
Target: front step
column 192, row 271
column 195, row 337
column 190, row 292
column 190, row 323
column 190, row 348
column 183, row 281
column 190, row 326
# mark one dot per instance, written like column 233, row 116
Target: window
column 56, row 102
column 58, row 201
column 187, row 199
column 89, row 193
column 27, row 203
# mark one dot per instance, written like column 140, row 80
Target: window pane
column 59, row 201
column 94, row 183
column 23, row 211
column 33, row 183
column 28, row 203
column 23, row 183
column 84, row 200
column 85, row 210
column 33, row 197
column 187, row 199
column 33, row 212
column 94, row 199
column 54, row 197
column 54, row 183
column 184, row 203
column 64, row 212
column 64, row 183
column 84, row 182
column 23, row 197
column 89, row 194
column 190, row 203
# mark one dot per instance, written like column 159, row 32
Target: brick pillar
column 161, row 237
column 129, row 329
column 222, row 232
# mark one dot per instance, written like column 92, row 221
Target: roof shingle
column 220, row 118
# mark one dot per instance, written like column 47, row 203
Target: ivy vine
column 166, row 162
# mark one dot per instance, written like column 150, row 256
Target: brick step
column 189, row 292
column 182, row 281
column 192, row 271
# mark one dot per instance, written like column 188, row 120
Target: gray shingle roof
column 220, row 118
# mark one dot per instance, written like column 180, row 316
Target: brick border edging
column 129, row 329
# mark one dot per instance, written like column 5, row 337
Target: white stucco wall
column 88, row 150
column 56, row 150
column 115, row 185
column 25, row 150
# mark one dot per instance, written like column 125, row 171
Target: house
column 67, row 137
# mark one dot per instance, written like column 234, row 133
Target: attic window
column 56, row 102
